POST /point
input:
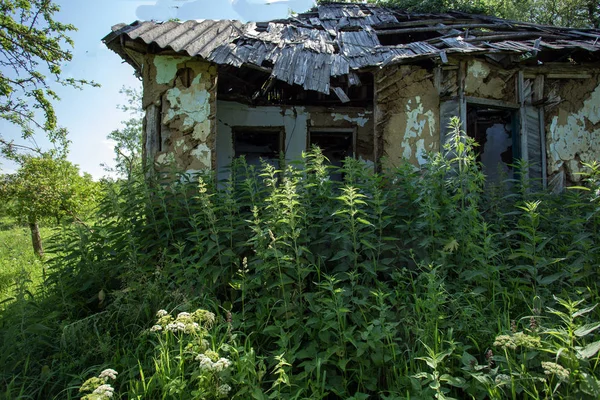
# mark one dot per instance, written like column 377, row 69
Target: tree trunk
column 36, row 238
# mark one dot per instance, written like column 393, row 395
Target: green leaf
column 589, row 350
column 451, row 246
column 455, row 381
column 340, row 254
column 468, row 360
column 578, row 188
column 258, row 394
column 584, row 311
column 587, row 328
column 590, row 385
column 547, row 280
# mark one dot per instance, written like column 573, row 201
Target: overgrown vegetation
column 19, row 267
column 46, row 187
column 572, row 13
column 283, row 284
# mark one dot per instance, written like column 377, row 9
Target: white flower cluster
column 104, row 391
column 204, row 316
column 161, row 313
column 108, row 373
column 100, row 390
column 558, row 370
column 184, row 322
column 223, row 390
column 178, row 326
column 206, row 364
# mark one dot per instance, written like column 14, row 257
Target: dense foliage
column 285, row 284
column 572, row 13
column 45, row 187
column 33, row 46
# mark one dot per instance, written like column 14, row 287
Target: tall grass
column 21, row 272
column 411, row 283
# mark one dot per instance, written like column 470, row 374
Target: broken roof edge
column 336, row 39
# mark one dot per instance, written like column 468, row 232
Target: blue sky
column 90, row 114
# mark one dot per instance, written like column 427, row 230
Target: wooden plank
column 341, row 94
column 505, row 105
column 462, row 104
column 522, row 119
column 379, row 118
column 437, row 79
column 420, row 22
column 569, row 76
column 437, row 28
column 538, row 95
column 152, row 134
column 534, row 146
column 514, row 35
column 448, row 109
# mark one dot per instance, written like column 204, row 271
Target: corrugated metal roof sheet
column 336, row 39
column 196, row 38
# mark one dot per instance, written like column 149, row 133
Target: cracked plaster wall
column 485, row 81
column 408, row 113
column 296, row 122
column 572, row 127
column 180, row 102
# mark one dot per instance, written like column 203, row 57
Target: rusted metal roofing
column 337, row 38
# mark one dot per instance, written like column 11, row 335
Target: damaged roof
column 337, row 39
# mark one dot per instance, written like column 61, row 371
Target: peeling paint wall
column 180, row 102
column 296, row 121
column 182, row 131
column 486, row 81
column 572, row 127
column 407, row 113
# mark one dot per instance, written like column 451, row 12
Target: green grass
column 20, row 269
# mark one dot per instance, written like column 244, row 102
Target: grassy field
column 20, row 270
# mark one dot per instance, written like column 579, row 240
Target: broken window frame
column 519, row 130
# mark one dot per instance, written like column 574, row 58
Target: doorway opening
column 496, row 133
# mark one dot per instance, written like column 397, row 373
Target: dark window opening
column 495, row 132
column 336, row 145
column 266, row 143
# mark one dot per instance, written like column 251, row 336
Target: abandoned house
column 368, row 82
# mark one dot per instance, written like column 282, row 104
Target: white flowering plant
column 99, row 388
column 191, row 357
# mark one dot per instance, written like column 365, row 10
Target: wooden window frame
column 351, row 130
column 279, row 130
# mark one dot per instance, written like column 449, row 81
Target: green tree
column 573, row 13
column 128, row 139
column 33, row 48
column 47, row 188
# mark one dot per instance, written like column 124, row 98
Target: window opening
column 496, row 133
column 335, row 144
column 258, row 143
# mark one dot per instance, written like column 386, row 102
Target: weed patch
column 409, row 283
